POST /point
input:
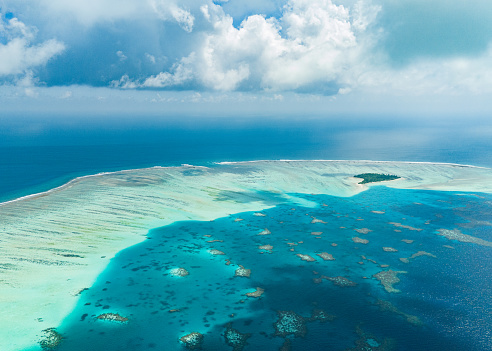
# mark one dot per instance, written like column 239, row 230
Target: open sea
column 40, row 153
column 445, row 290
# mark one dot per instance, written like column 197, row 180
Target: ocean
column 39, row 153
column 443, row 301
column 302, row 302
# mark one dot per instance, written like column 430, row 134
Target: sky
column 251, row 57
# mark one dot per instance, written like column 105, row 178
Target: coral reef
column 259, row 291
column 179, row 272
column 50, row 339
column 388, row 306
column 305, row 257
column 340, row 281
column 192, row 341
column 322, row 316
column 388, row 279
column 215, row 252
column 234, row 338
column 242, row 272
column 358, row 240
column 289, row 323
column 456, row 234
column 363, row 230
column 326, row 256
column 113, row 317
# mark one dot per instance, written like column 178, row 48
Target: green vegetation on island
column 375, row 177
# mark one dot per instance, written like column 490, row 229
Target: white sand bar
column 54, row 244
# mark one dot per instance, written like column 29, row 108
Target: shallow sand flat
column 55, row 244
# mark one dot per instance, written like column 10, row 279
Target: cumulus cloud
column 167, row 9
column 180, row 74
column 313, row 42
column 309, row 46
column 18, row 54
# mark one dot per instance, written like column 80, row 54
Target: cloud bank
column 324, row 47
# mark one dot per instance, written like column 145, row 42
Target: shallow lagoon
column 442, row 304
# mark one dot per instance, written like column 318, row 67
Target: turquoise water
column 449, row 295
column 40, row 153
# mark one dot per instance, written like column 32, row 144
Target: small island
column 375, row 177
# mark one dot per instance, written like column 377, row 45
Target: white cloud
column 166, row 9
column 180, row 74
column 313, row 42
column 150, row 57
column 124, row 83
column 18, row 55
column 121, row 55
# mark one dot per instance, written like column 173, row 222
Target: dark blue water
column 39, row 153
column 450, row 294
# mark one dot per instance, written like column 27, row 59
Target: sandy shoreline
column 75, row 180
column 55, row 243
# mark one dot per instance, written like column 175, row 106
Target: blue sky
column 190, row 56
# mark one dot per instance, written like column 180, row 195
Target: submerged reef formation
column 305, row 257
column 286, row 346
column 326, row 256
column 456, row 234
column 50, row 339
column 259, row 291
column 179, row 272
column 389, row 249
column 316, row 220
column 358, row 240
column 322, row 316
column 388, row 279
column 113, row 317
column 375, row 177
column 234, row 338
column 215, row 252
column 290, row 323
column 368, row 342
column 363, row 230
column 192, row 341
column 99, row 216
column 399, row 225
column 389, row 307
column 242, row 272
column 267, row 248
column 417, row 254
column 340, row 281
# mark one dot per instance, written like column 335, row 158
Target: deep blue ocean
column 39, row 153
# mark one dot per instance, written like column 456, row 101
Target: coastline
column 94, row 217
column 76, row 179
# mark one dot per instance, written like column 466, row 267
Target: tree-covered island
column 375, row 177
